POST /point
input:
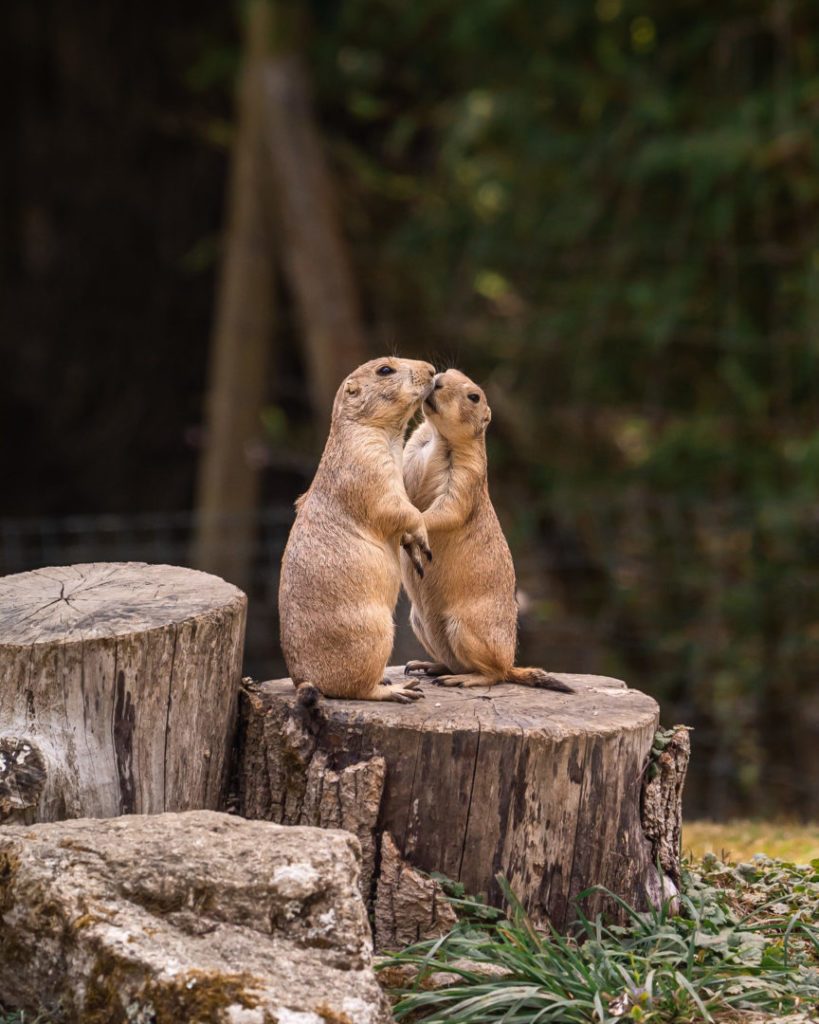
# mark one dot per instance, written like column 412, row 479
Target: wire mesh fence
column 163, row 538
column 667, row 596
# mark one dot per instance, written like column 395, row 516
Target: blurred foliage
column 607, row 213
column 603, row 210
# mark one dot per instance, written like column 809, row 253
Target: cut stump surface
column 541, row 786
column 118, row 687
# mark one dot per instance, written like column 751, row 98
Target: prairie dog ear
column 349, row 389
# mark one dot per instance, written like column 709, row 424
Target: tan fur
column 340, row 572
column 463, row 610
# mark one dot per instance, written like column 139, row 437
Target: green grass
column 745, row 947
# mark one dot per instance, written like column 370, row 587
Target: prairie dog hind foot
column 534, row 677
column 404, row 692
column 465, row 679
column 426, row 668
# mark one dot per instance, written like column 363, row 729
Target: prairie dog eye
column 384, row 371
column 474, row 398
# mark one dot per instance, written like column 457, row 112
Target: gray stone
column 178, row 918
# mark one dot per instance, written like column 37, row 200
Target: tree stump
column 118, row 686
column 540, row 786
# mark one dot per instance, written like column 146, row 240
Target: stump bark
column 661, row 813
column 540, row 786
column 118, row 686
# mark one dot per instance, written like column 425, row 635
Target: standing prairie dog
column 463, row 610
column 340, row 572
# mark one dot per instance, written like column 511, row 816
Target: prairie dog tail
column 537, row 678
column 307, row 695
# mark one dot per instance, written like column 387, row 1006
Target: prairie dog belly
column 347, row 635
column 468, row 589
column 465, row 566
column 320, row 558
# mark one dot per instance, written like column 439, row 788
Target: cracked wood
column 541, row 786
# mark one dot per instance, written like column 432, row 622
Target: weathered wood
column 661, row 812
column 347, row 799
column 22, row 775
column 541, row 786
column 121, row 680
column 409, row 907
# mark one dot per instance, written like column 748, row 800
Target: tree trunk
column 315, row 257
column 118, row 687
column 540, row 786
column 228, row 484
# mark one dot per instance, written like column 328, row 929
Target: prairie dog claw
column 415, row 545
column 404, row 692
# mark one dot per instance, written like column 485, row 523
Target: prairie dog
column 463, row 610
column 340, row 571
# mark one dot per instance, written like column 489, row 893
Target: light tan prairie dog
column 340, row 572
column 463, row 609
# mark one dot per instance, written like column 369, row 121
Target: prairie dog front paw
column 416, row 545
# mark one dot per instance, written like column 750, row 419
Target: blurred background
column 604, row 212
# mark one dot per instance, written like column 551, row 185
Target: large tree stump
column 118, row 686
column 541, row 786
